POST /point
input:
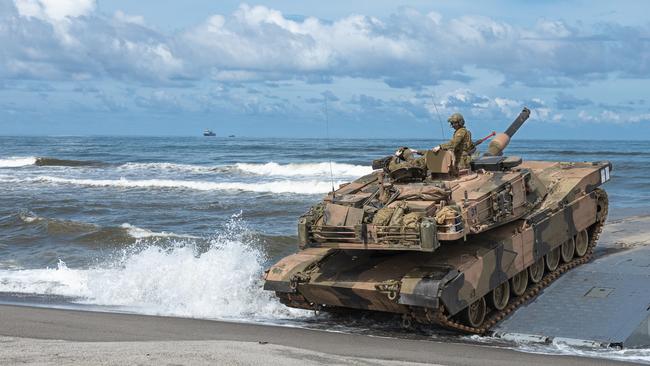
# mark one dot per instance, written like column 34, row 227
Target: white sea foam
column 15, row 161
column 223, row 282
column 287, row 186
column 140, row 233
column 28, row 217
column 641, row 355
column 267, row 169
column 305, row 169
column 168, row 167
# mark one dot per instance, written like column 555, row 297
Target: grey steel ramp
column 605, row 302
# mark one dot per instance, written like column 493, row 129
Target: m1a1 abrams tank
column 439, row 245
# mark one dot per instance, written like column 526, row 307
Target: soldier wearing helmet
column 461, row 143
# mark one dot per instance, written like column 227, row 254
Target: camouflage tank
column 439, row 245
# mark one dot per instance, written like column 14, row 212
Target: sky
column 362, row 69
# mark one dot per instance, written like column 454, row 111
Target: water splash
column 222, row 281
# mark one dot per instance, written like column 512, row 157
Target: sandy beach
column 31, row 335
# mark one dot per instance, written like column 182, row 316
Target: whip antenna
column 442, row 129
column 327, row 134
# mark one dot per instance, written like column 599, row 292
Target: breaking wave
column 65, row 162
column 266, row 169
column 298, row 187
column 140, row 233
column 15, row 162
column 87, row 232
column 305, row 169
column 222, row 282
column 320, row 169
column 168, row 167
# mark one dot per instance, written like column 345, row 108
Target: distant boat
column 231, row 136
column 209, row 133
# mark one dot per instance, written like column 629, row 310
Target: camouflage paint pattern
column 506, row 220
column 458, row 272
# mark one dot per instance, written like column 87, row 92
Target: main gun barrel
column 501, row 140
column 516, row 124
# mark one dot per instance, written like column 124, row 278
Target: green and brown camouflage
column 461, row 145
column 434, row 243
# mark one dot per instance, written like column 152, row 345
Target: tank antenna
column 442, row 128
column 329, row 151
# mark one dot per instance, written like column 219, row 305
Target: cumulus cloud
column 609, row 116
column 54, row 10
column 50, row 39
column 67, row 40
column 464, row 98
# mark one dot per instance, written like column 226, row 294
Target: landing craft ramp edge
column 602, row 303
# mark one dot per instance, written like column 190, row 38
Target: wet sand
column 43, row 336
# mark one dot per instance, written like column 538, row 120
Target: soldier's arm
column 455, row 141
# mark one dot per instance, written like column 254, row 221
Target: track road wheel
column 519, row 282
column 536, row 270
column 553, row 259
column 407, row 321
column 474, row 314
column 499, row 297
column 582, row 243
column 568, row 248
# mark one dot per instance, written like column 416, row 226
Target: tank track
column 438, row 316
column 442, row 319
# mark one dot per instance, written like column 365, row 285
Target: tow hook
column 391, row 288
column 297, row 279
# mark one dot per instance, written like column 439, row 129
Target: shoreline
column 55, row 336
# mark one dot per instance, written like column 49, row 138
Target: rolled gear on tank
column 405, row 167
column 447, row 213
column 412, row 220
column 383, row 216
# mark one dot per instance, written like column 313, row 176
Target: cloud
column 67, row 40
column 120, row 16
column 54, row 10
column 228, row 63
column 609, row 116
column 331, row 97
column 645, row 117
column 566, row 101
column 62, row 39
column 463, row 98
column 159, row 100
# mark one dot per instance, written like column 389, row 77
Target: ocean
column 185, row 226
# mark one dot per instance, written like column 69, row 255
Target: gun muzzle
column 501, row 140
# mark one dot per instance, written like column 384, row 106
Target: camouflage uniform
column 461, row 143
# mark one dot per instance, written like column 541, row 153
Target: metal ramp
column 602, row 303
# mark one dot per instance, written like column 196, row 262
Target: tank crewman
column 461, row 143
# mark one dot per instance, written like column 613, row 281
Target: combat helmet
column 456, row 118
